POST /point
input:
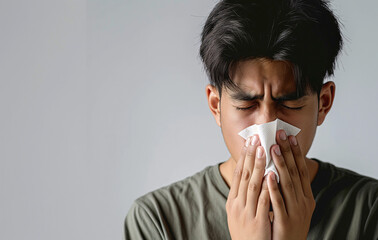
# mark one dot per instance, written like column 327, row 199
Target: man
column 266, row 60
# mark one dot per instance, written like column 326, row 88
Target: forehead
column 253, row 75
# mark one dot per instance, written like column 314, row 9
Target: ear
column 214, row 102
column 326, row 97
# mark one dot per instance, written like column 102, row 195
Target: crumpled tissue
column 267, row 136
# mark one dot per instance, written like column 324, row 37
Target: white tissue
column 267, row 136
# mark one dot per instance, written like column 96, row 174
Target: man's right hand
column 248, row 201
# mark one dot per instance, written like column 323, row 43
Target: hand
column 248, row 201
column 293, row 210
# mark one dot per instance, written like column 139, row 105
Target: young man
column 266, row 60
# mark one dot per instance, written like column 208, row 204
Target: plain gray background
column 104, row 101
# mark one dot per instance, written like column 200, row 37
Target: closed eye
column 246, row 108
column 292, row 108
column 253, row 106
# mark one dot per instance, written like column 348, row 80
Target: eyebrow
column 243, row 96
column 287, row 97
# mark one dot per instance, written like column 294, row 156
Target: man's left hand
column 294, row 208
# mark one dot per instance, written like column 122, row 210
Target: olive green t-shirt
column 194, row 208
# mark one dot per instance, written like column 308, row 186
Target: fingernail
column 293, row 141
column 247, row 142
column 273, row 177
column 254, row 140
column 259, row 152
column 283, row 135
column 277, row 150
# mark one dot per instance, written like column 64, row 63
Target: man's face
column 268, row 91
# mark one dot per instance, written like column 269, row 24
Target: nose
column 267, row 113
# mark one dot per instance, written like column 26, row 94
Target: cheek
column 232, row 123
column 306, row 135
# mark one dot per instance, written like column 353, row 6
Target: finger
column 255, row 183
column 262, row 211
column 237, row 174
column 247, row 169
column 286, row 182
column 278, row 204
column 289, row 158
column 302, row 167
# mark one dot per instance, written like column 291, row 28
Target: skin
column 250, row 193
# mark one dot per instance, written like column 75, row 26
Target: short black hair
column 304, row 33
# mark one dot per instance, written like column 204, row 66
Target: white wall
column 103, row 101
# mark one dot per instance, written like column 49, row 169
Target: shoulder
column 344, row 198
column 140, row 223
column 164, row 211
column 353, row 180
column 346, row 180
column 177, row 191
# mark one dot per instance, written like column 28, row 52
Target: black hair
column 304, row 33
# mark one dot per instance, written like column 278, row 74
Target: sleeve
column 140, row 224
column 371, row 225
